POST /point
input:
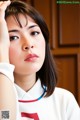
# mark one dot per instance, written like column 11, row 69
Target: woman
column 34, row 74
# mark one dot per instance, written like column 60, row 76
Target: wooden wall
column 63, row 21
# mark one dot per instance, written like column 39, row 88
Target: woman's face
column 27, row 45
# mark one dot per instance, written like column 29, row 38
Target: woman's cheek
column 42, row 45
column 12, row 54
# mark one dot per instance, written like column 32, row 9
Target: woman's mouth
column 31, row 58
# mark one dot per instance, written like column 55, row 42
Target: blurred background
column 63, row 21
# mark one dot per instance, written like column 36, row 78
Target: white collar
column 35, row 92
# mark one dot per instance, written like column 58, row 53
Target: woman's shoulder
column 66, row 102
column 65, row 96
column 61, row 92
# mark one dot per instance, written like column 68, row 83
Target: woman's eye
column 35, row 33
column 13, row 38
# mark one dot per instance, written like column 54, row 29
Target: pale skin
column 25, row 41
column 7, row 95
column 25, row 49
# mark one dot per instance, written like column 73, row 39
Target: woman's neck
column 26, row 82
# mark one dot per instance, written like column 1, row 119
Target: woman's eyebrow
column 32, row 26
column 13, row 31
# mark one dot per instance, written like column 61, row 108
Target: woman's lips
column 31, row 58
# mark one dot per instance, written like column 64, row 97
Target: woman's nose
column 27, row 47
column 27, row 44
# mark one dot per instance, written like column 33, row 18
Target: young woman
column 26, row 43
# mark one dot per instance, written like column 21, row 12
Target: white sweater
column 61, row 105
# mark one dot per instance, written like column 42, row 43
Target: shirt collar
column 35, row 92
